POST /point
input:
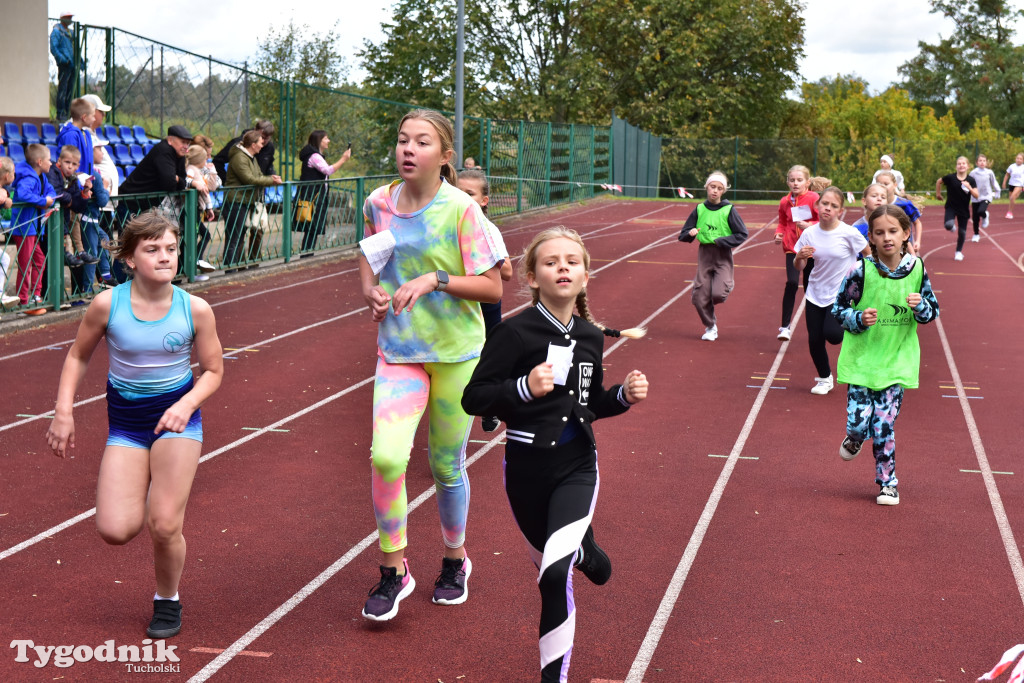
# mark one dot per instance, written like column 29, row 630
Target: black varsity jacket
column 516, row 346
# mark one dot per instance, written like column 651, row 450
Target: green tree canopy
column 977, row 70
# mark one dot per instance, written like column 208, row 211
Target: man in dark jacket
column 62, row 49
column 265, row 157
column 162, row 170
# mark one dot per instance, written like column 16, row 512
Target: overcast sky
column 868, row 37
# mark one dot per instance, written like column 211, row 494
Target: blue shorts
column 132, row 421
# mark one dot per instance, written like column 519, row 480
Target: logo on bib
column 173, row 341
column 901, row 315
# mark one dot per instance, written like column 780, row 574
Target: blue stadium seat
column 274, row 194
column 122, row 155
column 12, row 134
column 148, row 146
column 54, row 153
column 127, row 136
column 49, row 134
column 110, row 133
column 120, row 175
column 217, row 197
column 30, row 132
column 137, row 153
column 140, row 135
column 3, row 151
column 128, row 170
column 17, row 152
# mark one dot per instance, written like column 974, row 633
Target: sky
column 869, row 38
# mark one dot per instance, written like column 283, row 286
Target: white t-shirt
column 900, row 185
column 1016, row 172
column 835, row 254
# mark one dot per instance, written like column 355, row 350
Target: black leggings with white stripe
column 552, row 493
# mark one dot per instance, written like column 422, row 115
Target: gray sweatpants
column 713, row 281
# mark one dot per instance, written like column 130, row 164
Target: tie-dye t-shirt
column 447, row 234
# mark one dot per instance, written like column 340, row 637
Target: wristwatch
column 442, row 280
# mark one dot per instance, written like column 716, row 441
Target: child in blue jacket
column 31, row 188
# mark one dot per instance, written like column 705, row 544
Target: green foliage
column 974, row 72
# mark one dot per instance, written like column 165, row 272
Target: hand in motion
column 377, row 299
column 635, row 387
column 61, row 434
column 175, row 418
column 870, row 316
column 806, row 252
column 541, row 380
column 913, row 299
column 406, row 295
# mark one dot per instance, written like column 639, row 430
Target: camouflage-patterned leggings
column 872, row 415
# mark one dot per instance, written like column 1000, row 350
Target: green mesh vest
column 712, row 224
column 888, row 352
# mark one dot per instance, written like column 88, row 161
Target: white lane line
column 675, row 587
column 1002, row 521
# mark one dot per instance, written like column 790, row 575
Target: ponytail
column 449, row 174
column 584, row 308
column 445, row 135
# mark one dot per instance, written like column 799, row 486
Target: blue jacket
column 60, row 45
column 69, row 195
column 32, row 188
column 71, row 134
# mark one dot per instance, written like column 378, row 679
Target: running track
column 743, row 547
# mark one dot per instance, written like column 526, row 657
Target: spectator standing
column 32, row 188
column 265, row 157
column 243, row 173
column 78, row 132
column 63, row 51
column 312, row 204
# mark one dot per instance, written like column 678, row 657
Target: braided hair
column 528, row 264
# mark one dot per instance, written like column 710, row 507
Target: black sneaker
column 593, row 561
column 71, row 260
column 450, row 587
column 166, row 619
column 850, row 448
column 490, row 424
column 382, row 604
column 888, row 496
column 86, row 257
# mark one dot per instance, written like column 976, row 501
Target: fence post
column 286, row 221
column 547, row 168
column 572, row 158
column 736, row 169
column 519, row 168
column 360, row 198
column 192, row 227
column 55, row 258
column 108, row 66
column 161, row 88
column 112, row 80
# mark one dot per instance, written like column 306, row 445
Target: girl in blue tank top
column 156, row 431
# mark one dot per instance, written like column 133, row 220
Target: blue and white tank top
column 149, row 357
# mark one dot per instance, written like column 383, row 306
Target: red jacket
column 790, row 232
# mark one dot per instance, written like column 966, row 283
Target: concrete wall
column 26, row 62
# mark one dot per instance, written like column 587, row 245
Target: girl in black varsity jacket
column 540, row 372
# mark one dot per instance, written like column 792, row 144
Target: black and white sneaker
column 593, row 561
column 888, row 496
column 850, row 448
column 166, row 619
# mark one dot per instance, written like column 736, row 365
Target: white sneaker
column 1009, row 215
column 201, row 278
column 710, row 334
column 976, row 238
column 958, row 256
column 785, row 333
column 205, row 266
column 10, row 300
column 823, row 386
column 984, row 221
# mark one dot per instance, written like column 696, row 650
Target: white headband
column 720, row 177
column 886, row 158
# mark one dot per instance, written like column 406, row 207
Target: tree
column 974, row 72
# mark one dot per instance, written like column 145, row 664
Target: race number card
column 801, row 213
column 377, row 249
column 560, row 358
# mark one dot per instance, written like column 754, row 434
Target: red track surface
column 773, row 564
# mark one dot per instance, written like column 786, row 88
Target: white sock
column 157, row 596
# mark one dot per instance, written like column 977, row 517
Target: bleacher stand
column 54, row 152
column 136, row 153
column 30, row 133
column 49, row 134
column 111, row 134
column 12, row 134
column 16, row 152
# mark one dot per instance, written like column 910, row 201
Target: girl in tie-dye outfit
column 880, row 305
column 430, row 334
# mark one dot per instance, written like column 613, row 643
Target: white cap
column 66, row 14
column 95, row 101
column 886, row 158
column 720, row 177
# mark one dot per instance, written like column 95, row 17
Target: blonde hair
column 35, row 153
column 6, row 166
column 803, row 169
column 69, row 151
column 196, row 155
column 528, row 264
column 445, row 134
column 818, row 183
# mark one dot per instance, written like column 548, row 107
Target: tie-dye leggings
column 872, row 415
column 552, row 493
column 401, row 392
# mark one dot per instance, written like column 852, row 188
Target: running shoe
column 850, row 448
column 490, row 424
column 166, row 619
column 710, row 333
column 71, row 260
column 382, row 604
column 592, row 560
column 984, row 221
column 976, row 238
column 822, row 385
column 785, row 334
column 1009, row 215
column 10, row 300
column 201, row 278
column 450, row 587
column 86, row 257
column 888, row 496
column 958, row 256
column 205, row 266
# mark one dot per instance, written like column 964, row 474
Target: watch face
column 442, row 277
